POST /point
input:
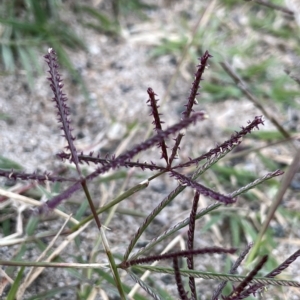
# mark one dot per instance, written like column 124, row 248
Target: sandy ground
column 117, row 72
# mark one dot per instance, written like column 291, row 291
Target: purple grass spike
column 233, row 270
column 183, row 253
column 255, row 287
column 191, row 101
column 157, row 122
column 63, row 112
column 190, row 244
column 237, row 291
column 196, row 84
column 180, row 287
column 33, row 176
column 184, row 180
column 235, row 139
column 127, row 164
column 60, row 100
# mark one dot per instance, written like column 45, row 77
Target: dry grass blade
column 287, row 178
column 33, row 202
column 55, row 253
column 242, row 86
column 53, row 265
column 34, row 273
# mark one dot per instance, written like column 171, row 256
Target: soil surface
column 117, row 70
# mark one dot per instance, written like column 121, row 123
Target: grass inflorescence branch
column 102, row 164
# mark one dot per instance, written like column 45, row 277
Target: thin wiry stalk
column 117, row 200
column 233, row 270
column 237, row 291
column 190, row 244
column 181, row 291
column 112, row 264
column 183, row 253
column 143, row 285
column 157, row 122
column 290, row 172
column 191, row 101
column 91, row 203
column 275, row 6
column 219, row 276
column 257, row 102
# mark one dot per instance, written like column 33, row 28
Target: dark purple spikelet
column 60, row 100
column 157, row 122
column 63, row 156
column 128, row 164
column 184, row 253
column 33, row 176
column 255, row 287
column 56, row 200
column 284, row 265
column 190, row 244
column 202, row 189
column 176, row 148
column 233, row 270
column 191, row 102
column 181, row 291
column 236, row 295
column 234, row 140
column 195, row 85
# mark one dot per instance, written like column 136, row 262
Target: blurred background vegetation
column 259, row 39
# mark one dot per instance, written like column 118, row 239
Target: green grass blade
column 6, row 163
column 14, row 288
column 108, row 278
column 27, row 65
column 38, row 12
column 8, row 58
column 51, row 293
